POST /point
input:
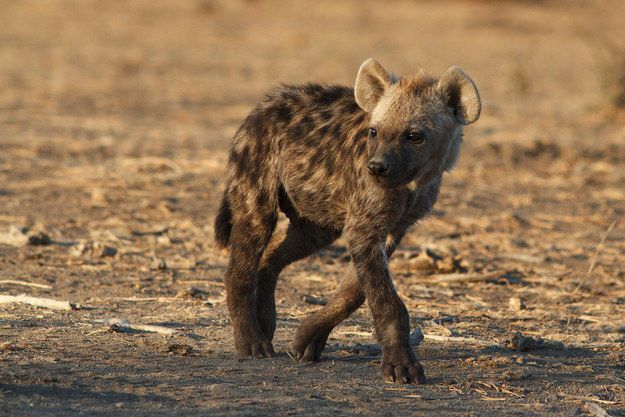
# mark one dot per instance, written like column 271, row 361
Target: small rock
column 522, row 343
column 516, row 303
column 311, row 299
column 179, row 349
column 192, row 292
column 434, row 254
column 215, row 301
column 158, row 264
column 30, row 235
column 15, row 236
column 593, row 409
column 39, row 239
column 416, row 337
column 512, row 277
column 94, row 250
column 107, row 251
column 445, row 319
column 163, row 240
column 618, row 300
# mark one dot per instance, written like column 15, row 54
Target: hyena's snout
column 378, row 167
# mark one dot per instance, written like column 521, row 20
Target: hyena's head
column 416, row 121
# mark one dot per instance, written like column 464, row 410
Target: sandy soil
column 115, row 119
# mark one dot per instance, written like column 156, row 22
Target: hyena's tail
column 223, row 223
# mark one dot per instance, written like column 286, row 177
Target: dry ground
column 115, row 119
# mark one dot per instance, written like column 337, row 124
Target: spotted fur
column 308, row 151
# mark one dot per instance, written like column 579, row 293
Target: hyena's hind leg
column 301, row 239
column 253, row 220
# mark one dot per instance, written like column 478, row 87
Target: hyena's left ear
column 371, row 83
column 461, row 94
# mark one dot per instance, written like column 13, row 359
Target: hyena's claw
column 308, row 347
column 400, row 374
column 257, row 350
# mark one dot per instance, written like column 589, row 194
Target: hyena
column 363, row 163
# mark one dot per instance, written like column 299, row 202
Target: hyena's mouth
column 388, row 182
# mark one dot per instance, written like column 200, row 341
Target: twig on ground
column 25, row 283
column 585, row 398
column 200, row 281
column 124, row 326
column 38, row 302
column 476, row 301
column 593, row 263
column 139, row 299
column 476, row 277
column 521, row 257
column 151, row 160
column 459, row 339
column 592, row 319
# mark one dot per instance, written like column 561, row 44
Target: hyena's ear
column 371, row 82
column 461, row 94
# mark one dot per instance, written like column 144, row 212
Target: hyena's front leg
column 313, row 333
column 390, row 316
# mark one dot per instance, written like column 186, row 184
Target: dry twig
column 38, row 302
column 25, row 283
column 124, row 326
column 521, row 257
column 458, row 339
column 476, row 277
column 146, row 299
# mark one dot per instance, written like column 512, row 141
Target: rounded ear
column 371, row 83
column 461, row 94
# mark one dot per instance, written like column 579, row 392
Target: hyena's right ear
column 371, row 82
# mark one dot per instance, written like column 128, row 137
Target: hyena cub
column 365, row 163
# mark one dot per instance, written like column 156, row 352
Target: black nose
column 377, row 168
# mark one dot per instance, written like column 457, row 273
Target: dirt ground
column 115, row 120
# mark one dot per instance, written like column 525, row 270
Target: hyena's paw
column 308, row 344
column 256, row 347
column 402, row 369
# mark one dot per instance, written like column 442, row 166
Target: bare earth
column 115, row 120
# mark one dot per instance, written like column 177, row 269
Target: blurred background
column 115, row 121
column 89, row 82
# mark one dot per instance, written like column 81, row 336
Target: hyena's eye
column 373, row 132
column 416, row 137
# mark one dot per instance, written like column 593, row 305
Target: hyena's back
column 299, row 150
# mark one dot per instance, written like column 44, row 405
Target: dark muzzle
column 378, row 168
